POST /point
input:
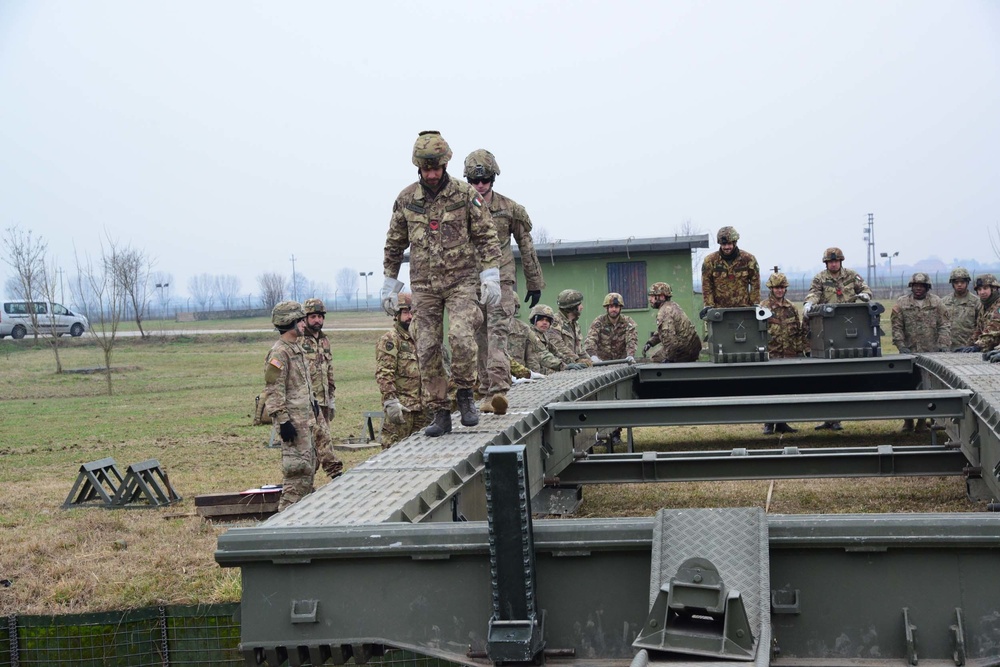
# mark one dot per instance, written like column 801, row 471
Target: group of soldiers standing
column 461, row 261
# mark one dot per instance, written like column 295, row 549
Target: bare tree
column 272, row 289
column 688, row 228
column 347, row 281
column 227, row 291
column 96, row 282
column 132, row 267
column 202, row 289
column 48, row 287
column 301, row 288
column 540, row 235
column 25, row 253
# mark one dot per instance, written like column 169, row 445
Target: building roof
column 617, row 246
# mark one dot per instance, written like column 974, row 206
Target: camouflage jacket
column 964, row 312
column 788, row 335
column 988, row 332
column 511, row 220
column 450, row 236
column 988, row 314
column 675, row 333
column 566, row 338
column 842, row 287
column 921, row 325
column 519, row 345
column 545, row 351
column 396, row 371
column 612, row 339
column 730, row 283
column 289, row 394
column 320, row 359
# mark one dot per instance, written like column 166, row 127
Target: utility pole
column 295, row 293
column 62, row 294
column 870, row 242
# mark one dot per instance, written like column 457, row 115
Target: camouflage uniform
column 732, row 282
column 787, row 333
column 519, row 344
column 450, row 237
column 921, row 325
column 397, row 374
column 290, row 398
column 510, row 220
column 320, row 360
column 565, row 338
column 964, row 312
column 677, row 336
column 841, row 287
column 548, row 357
column 612, row 339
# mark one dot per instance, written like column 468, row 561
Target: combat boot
column 907, row 426
column 782, row 427
column 919, row 425
column 499, row 403
column 768, row 429
column 440, row 425
column 467, row 407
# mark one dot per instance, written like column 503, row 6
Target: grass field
column 186, row 401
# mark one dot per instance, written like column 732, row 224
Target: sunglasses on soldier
column 480, row 181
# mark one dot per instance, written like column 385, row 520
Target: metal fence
column 179, row 636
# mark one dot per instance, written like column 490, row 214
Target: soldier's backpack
column 260, row 415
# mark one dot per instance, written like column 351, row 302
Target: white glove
column 630, row 359
column 393, row 411
column 390, row 295
column 490, row 288
column 594, row 358
column 807, row 308
column 537, row 376
column 520, row 380
column 864, row 297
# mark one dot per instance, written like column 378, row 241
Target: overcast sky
column 225, row 137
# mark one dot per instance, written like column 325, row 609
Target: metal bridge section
column 406, row 550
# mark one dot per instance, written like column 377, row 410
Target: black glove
column 970, row 348
column 994, row 356
column 903, row 350
column 533, row 296
column 646, row 348
column 287, row 431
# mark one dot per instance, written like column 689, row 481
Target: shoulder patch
column 477, row 201
column 389, row 345
column 275, row 362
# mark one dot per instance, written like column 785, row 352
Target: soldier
column 549, row 360
column 675, row 333
column 316, row 346
column 397, row 374
column 519, row 344
column 291, row 404
column 613, row 335
column 987, row 334
column 920, row 324
column 565, row 335
column 510, row 220
column 964, row 308
column 730, row 278
column 451, row 238
column 836, row 284
column 787, row 335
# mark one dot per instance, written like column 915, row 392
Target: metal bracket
column 911, row 637
column 145, row 481
column 785, row 601
column 98, row 480
column 304, row 611
column 958, row 632
column 696, row 613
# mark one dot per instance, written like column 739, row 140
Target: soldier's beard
column 316, row 328
column 405, row 325
column 732, row 254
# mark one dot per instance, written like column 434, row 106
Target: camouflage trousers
column 464, row 317
column 298, row 465
column 493, row 362
column 412, row 422
column 325, row 458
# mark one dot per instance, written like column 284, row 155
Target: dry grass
column 187, row 401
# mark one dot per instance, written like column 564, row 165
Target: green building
column 627, row 266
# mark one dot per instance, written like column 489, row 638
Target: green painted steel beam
column 787, row 463
column 804, row 367
column 750, row 409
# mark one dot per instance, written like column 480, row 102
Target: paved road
column 152, row 331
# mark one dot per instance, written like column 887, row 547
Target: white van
column 15, row 320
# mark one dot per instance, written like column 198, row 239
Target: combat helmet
column 310, row 306
column 431, row 150
column 569, row 298
column 405, row 302
column 830, row 254
column 541, row 310
column 481, row 164
column 777, row 279
column 286, row 313
column 662, row 289
column 727, row 235
column 987, row 280
column 613, row 299
column 920, row 279
column 959, row 273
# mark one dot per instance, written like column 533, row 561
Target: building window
column 629, row 280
